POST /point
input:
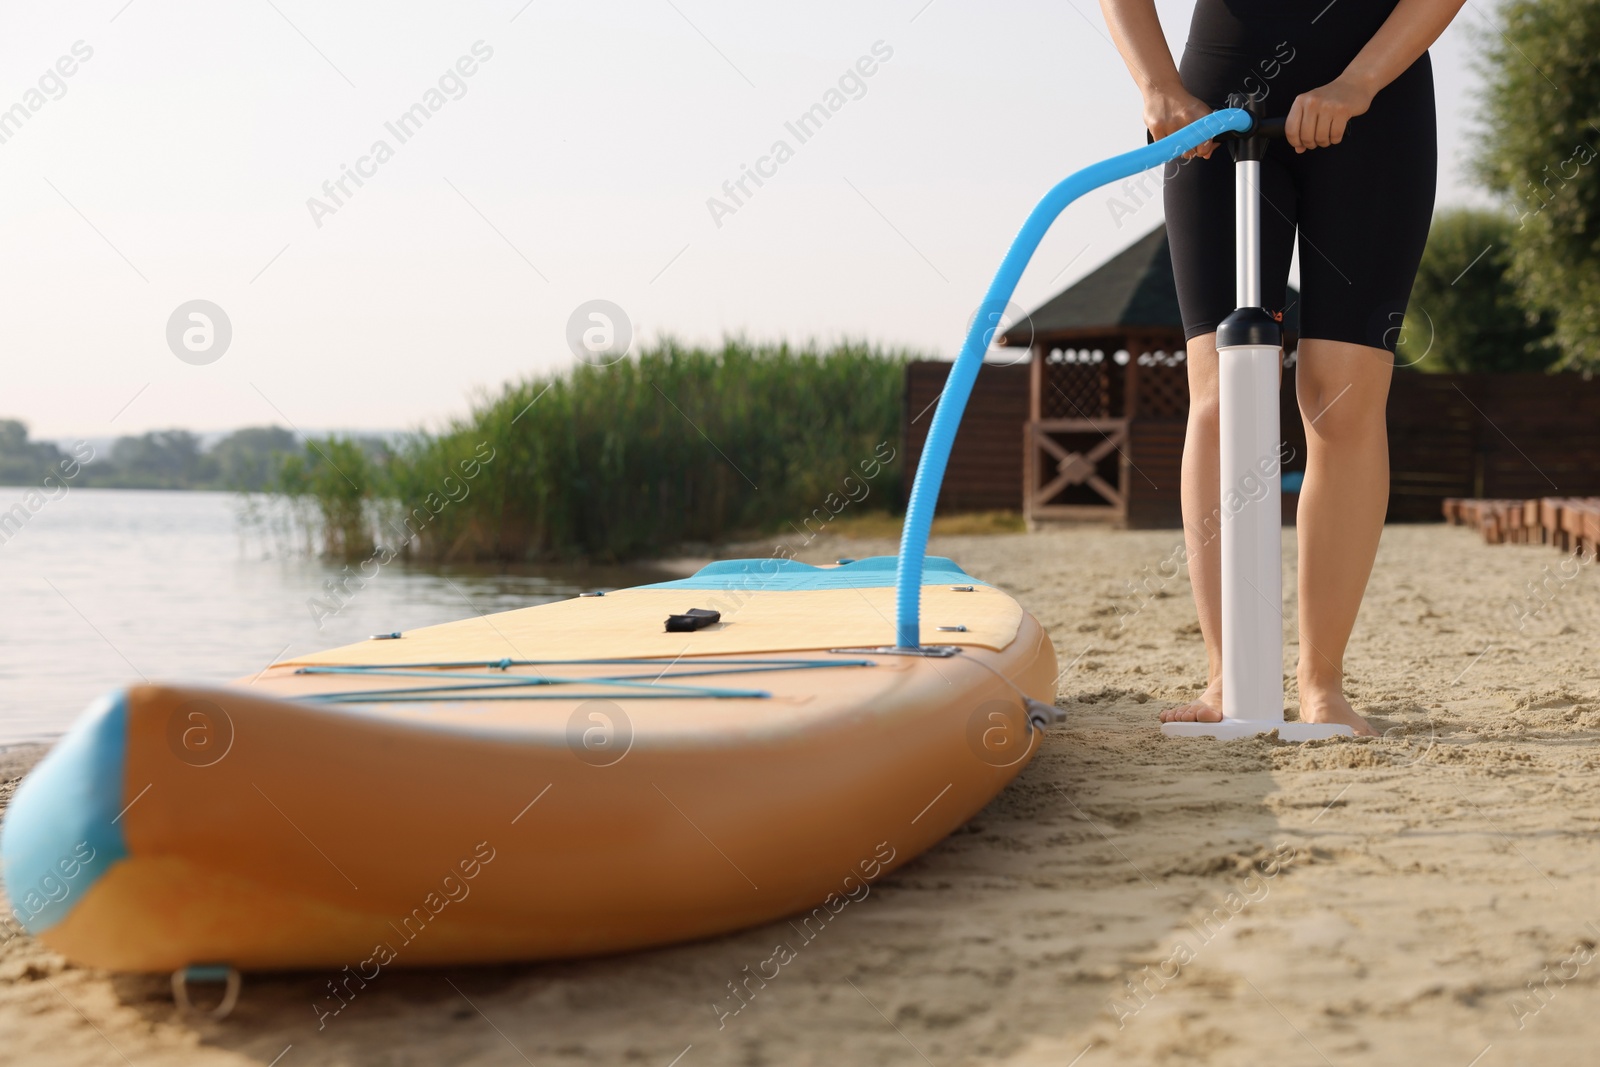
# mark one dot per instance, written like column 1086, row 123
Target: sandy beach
column 1428, row 896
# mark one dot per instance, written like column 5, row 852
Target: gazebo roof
column 1134, row 289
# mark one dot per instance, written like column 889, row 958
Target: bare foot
column 1207, row 707
column 1326, row 703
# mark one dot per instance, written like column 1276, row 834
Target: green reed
column 677, row 445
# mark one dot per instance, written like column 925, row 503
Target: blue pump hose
column 958, row 387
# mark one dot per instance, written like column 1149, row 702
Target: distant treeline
column 676, row 445
column 246, row 460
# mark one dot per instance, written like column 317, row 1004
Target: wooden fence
column 985, row 472
column 1450, row 435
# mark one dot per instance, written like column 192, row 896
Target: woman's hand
column 1318, row 118
column 1166, row 113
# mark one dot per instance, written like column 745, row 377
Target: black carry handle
column 691, row 620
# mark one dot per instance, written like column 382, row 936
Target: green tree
column 247, row 460
column 161, row 459
column 1466, row 313
column 1541, row 151
column 25, row 462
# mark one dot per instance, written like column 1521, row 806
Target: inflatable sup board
column 559, row 780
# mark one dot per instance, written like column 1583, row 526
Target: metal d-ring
column 217, row 972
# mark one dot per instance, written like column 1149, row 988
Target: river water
column 103, row 587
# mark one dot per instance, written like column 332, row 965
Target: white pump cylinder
column 1252, row 523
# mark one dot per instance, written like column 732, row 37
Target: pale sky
column 176, row 161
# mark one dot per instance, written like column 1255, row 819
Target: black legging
column 1362, row 206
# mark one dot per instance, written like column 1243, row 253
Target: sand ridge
column 1428, row 895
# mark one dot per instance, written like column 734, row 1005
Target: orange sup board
column 555, row 781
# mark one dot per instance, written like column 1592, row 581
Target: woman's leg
column 1343, row 389
column 1202, row 531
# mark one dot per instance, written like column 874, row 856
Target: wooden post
column 1030, row 457
column 1036, row 382
column 1132, row 343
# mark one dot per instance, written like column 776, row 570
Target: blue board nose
column 62, row 829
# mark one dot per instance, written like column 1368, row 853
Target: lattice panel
column 1081, row 383
column 1163, row 388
